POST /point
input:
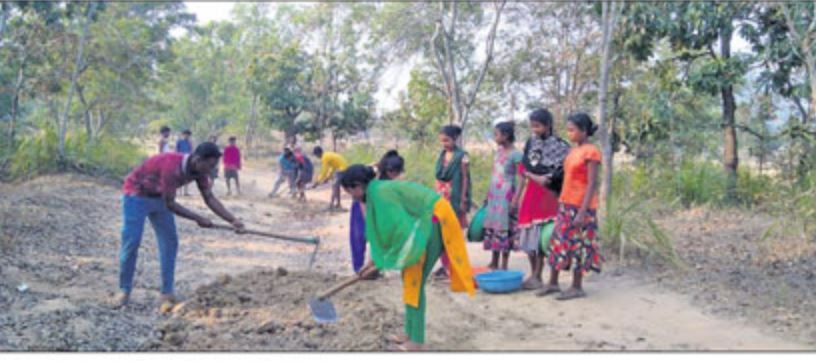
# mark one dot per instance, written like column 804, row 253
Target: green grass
column 36, row 154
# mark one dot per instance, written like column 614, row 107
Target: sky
column 395, row 79
column 210, row 11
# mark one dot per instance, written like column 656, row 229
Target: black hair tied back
column 584, row 123
column 391, row 162
column 452, row 131
column 357, row 174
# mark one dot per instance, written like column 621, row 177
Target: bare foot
column 398, row 339
column 167, row 298
column 570, row 294
column 120, row 300
column 406, row 347
column 548, row 290
column 531, row 284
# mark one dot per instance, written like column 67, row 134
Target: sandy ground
column 249, row 293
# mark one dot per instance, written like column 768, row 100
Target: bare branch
column 491, row 39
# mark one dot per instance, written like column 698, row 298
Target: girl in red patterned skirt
column 573, row 242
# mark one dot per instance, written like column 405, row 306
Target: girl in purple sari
column 390, row 167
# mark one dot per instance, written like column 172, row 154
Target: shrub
column 103, row 156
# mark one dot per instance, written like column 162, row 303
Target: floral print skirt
column 572, row 246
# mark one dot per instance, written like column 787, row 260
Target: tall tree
column 78, row 64
column 282, row 79
column 443, row 34
column 608, row 19
column 694, row 29
column 800, row 18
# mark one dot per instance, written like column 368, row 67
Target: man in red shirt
column 150, row 193
column 232, row 164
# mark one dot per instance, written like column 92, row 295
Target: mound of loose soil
column 268, row 310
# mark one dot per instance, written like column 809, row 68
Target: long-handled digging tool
column 323, row 310
column 308, row 240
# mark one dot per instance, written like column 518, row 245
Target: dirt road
column 61, row 240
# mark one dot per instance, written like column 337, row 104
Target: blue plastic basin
column 499, row 281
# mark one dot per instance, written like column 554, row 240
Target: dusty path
column 70, row 266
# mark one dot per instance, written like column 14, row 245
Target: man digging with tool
column 150, row 192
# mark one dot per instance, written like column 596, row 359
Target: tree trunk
column 290, row 133
column 491, row 40
column 251, row 125
column 729, row 106
column 87, row 115
column 812, row 70
column 77, row 66
column 15, row 105
column 100, row 122
column 5, row 8
column 608, row 19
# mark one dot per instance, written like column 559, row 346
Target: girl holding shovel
column 390, row 167
column 407, row 227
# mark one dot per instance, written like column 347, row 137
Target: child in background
column 499, row 224
column 232, row 164
column 452, row 181
column 407, row 226
column 286, row 172
column 331, row 164
column 304, row 172
column 185, row 146
column 573, row 241
column 390, row 167
column 164, row 140
column 544, row 154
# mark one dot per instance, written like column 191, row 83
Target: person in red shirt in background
column 232, row 164
column 149, row 192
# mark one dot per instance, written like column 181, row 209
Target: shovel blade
column 323, row 311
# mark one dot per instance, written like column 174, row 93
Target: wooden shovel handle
column 346, row 283
column 308, row 240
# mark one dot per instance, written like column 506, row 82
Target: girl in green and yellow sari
column 408, row 226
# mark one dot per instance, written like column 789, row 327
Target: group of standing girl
column 541, row 201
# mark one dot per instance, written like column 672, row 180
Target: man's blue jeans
column 135, row 210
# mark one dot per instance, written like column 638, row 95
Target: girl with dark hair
column 544, row 154
column 499, row 224
column 573, row 241
column 390, row 167
column 407, row 226
column 453, row 180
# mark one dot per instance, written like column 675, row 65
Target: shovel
column 322, row 309
column 308, row 240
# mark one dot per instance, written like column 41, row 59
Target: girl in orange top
column 573, row 241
